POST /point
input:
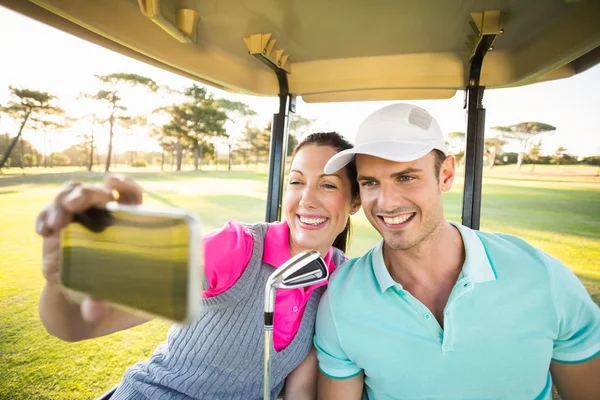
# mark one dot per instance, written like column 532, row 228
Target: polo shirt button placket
column 448, row 339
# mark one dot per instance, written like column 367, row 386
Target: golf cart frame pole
column 278, row 148
column 486, row 27
column 471, row 209
column 262, row 47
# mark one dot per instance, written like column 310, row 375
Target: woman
column 219, row 356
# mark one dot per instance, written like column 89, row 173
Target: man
column 440, row 311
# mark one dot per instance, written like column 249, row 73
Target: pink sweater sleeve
column 227, row 252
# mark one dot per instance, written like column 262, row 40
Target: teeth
column 397, row 220
column 312, row 221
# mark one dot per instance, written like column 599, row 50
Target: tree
column 534, row 153
column 235, row 110
column 457, row 140
column 26, row 154
column 92, row 144
column 523, row 132
column 115, row 83
column 48, row 125
column 257, row 141
column 176, row 132
column 166, row 143
column 592, row 160
column 206, row 120
column 493, row 147
column 128, row 124
column 77, row 153
column 196, row 123
column 299, row 127
column 85, row 148
column 291, row 144
column 25, row 104
column 558, row 155
column 456, row 145
column 459, row 156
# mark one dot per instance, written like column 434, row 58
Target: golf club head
column 305, row 269
column 302, row 270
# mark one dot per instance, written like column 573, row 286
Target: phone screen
column 137, row 260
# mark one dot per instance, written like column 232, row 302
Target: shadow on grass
column 216, row 209
column 564, row 211
column 566, row 178
column 574, row 212
column 50, row 178
column 58, row 178
column 160, row 198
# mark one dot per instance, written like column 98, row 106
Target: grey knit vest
column 220, row 355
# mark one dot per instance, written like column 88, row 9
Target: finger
column 93, row 310
column 85, row 197
column 51, row 258
column 41, row 223
column 129, row 191
column 57, row 217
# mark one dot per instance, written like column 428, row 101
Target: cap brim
column 339, row 161
column 393, row 151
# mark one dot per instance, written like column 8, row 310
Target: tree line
column 190, row 128
column 530, row 149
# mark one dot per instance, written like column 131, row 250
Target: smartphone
column 148, row 261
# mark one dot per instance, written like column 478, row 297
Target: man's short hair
column 438, row 161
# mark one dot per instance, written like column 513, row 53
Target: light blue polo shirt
column 513, row 310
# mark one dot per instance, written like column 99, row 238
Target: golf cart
column 339, row 51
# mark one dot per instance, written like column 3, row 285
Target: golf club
column 304, row 269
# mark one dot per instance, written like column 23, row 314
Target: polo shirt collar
column 276, row 250
column 476, row 268
column 381, row 272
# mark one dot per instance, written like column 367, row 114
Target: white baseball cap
column 400, row 132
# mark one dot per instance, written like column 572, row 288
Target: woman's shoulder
column 231, row 230
column 235, row 234
column 227, row 251
column 257, row 229
column 233, row 239
column 338, row 257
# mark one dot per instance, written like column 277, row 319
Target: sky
column 39, row 57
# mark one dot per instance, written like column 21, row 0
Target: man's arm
column 577, row 381
column 339, row 376
column 301, row 384
column 340, row 389
column 575, row 365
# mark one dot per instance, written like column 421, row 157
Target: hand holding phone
column 72, row 199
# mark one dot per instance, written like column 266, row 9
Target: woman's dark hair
column 338, row 142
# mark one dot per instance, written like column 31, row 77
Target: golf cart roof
column 339, row 50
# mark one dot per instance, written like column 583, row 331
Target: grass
column 555, row 209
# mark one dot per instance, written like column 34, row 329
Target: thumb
column 93, row 310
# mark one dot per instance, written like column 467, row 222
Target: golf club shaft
column 267, row 366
